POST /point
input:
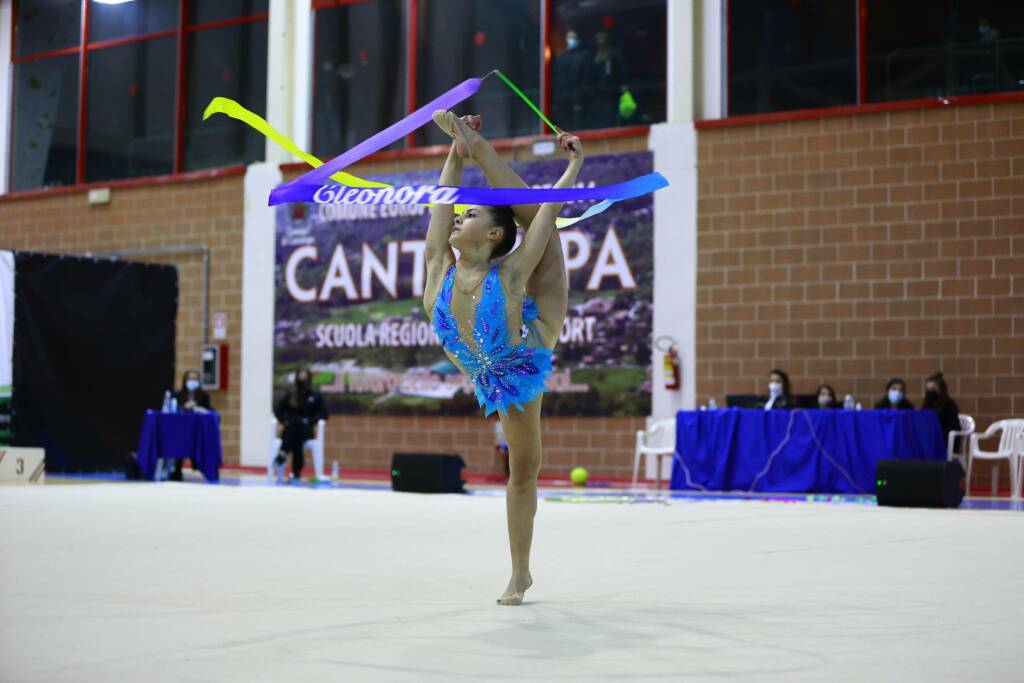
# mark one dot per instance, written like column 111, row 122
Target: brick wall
column 851, row 250
column 162, row 215
column 603, row 445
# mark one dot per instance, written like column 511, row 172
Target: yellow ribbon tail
column 228, row 107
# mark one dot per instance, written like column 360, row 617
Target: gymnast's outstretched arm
column 437, row 252
column 524, row 260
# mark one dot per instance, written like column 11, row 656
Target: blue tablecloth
column 181, row 435
column 811, row 451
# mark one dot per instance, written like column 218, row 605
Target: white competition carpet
column 178, row 582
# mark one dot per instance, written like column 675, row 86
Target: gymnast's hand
column 463, row 130
column 571, row 146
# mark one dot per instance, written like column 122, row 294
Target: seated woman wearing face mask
column 297, row 413
column 827, row 398
column 779, row 395
column 191, row 398
column 895, row 396
column 936, row 397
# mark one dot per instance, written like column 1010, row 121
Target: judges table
column 797, row 451
column 180, row 435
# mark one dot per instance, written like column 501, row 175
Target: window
column 798, row 54
column 457, row 39
column 209, row 11
column 46, row 25
column 124, row 104
column 376, row 61
column 45, row 123
column 924, row 48
column 131, row 111
column 108, row 90
column 609, row 63
column 109, row 22
column 359, row 73
column 791, row 54
column 227, row 62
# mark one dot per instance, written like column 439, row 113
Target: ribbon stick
column 529, row 103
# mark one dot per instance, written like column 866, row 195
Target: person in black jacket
column 895, row 396
column 570, row 83
column 936, row 397
column 297, row 413
column 190, row 397
column 780, row 395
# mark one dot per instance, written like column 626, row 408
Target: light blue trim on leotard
column 504, row 373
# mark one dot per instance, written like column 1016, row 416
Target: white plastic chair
column 965, row 431
column 657, row 441
column 1011, row 449
column 315, row 445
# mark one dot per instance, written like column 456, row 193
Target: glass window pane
column 358, row 74
column 791, row 55
column 130, row 129
column 125, row 19
column 608, row 63
column 205, row 11
column 226, row 62
column 923, row 48
column 44, row 25
column 45, row 130
column 462, row 38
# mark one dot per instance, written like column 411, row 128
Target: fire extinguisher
column 671, row 368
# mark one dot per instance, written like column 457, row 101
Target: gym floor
column 171, row 582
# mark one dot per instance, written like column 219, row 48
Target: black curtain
column 93, row 349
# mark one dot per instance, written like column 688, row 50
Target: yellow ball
column 579, row 476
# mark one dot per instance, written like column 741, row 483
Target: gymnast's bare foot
column 517, row 587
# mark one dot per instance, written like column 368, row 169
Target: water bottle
column 334, row 471
column 712, row 405
column 167, row 402
column 174, row 404
column 848, row 402
column 858, row 405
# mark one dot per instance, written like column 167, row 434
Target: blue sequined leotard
column 504, row 372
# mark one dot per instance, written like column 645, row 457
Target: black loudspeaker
column 920, row 483
column 427, row 473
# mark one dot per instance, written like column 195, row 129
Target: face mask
column 192, row 384
column 302, row 384
column 931, row 396
column 572, row 43
column 775, row 388
column 895, row 396
column 824, row 400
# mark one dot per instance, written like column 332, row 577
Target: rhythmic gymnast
column 499, row 318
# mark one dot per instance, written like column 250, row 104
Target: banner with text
column 349, row 284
